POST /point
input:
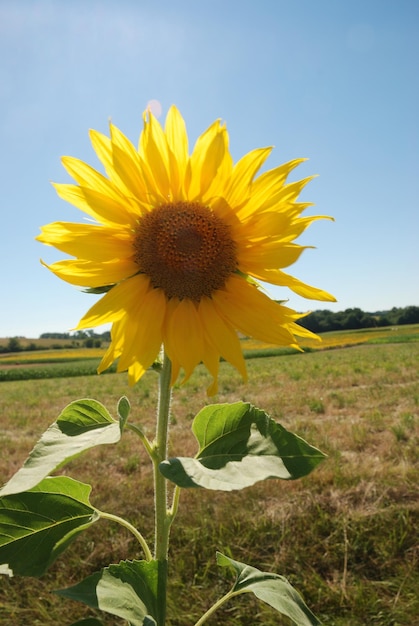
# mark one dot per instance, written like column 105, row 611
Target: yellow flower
column 178, row 242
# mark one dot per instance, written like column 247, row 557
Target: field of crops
column 345, row 536
column 53, row 363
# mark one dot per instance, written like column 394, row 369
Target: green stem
column 216, row 606
column 159, row 454
column 132, row 529
column 161, row 545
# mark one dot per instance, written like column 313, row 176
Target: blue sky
column 330, row 80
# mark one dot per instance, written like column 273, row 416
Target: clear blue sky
column 332, row 80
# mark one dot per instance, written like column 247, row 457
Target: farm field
column 71, row 361
column 345, row 536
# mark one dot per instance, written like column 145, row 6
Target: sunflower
column 178, row 243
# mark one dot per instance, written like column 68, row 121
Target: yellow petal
column 260, row 257
column 281, row 199
column 252, row 312
column 115, row 348
column 175, row 371
column 117, row 302
column 270, row 182
column 295, row 229
column 177, row 140
column 243, row 174
column 103, row 208
column 87, row 241
column 88, row 177
column 300, row 331
column 102, row 145
column 89, row 274
column 221, row 335
column 144, row 338
column 136, row 371
column 205, row 160
column 264, row 226
column 136, row 337
column 215, row 186
column 127, row 165
column 169, row 348
column 277, row 277
column 211, row 361
column 184, row 338
column 277, row 226
column 154, row 152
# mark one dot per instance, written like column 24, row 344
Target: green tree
column 14, row 345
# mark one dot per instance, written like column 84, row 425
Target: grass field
column 345, row 536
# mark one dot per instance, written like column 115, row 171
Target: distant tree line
column 86, row 339
column 351, row 319
column 79, row 334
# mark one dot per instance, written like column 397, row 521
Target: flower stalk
column 163, row 518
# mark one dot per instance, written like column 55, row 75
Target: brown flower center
column 185, row 249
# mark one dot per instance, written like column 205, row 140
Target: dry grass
column 345, row 536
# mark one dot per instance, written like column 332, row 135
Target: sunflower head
column 186, row 249
column 179, row 242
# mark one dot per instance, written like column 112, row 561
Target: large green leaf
column 238, row 446
column 128, row 590
column 273, row 589
column 83, row 424
column 37, row 525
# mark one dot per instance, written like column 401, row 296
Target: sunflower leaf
column 271, row 588
column 128, row 590
column 83, row 424
column 124, row 408
column 240, row 445
column 37, row 525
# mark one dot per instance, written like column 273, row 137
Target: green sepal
column 128, row 590
column 83, row 424
column 98, row 290
column 240, row 445
column 272, row 589
column 36, row 526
